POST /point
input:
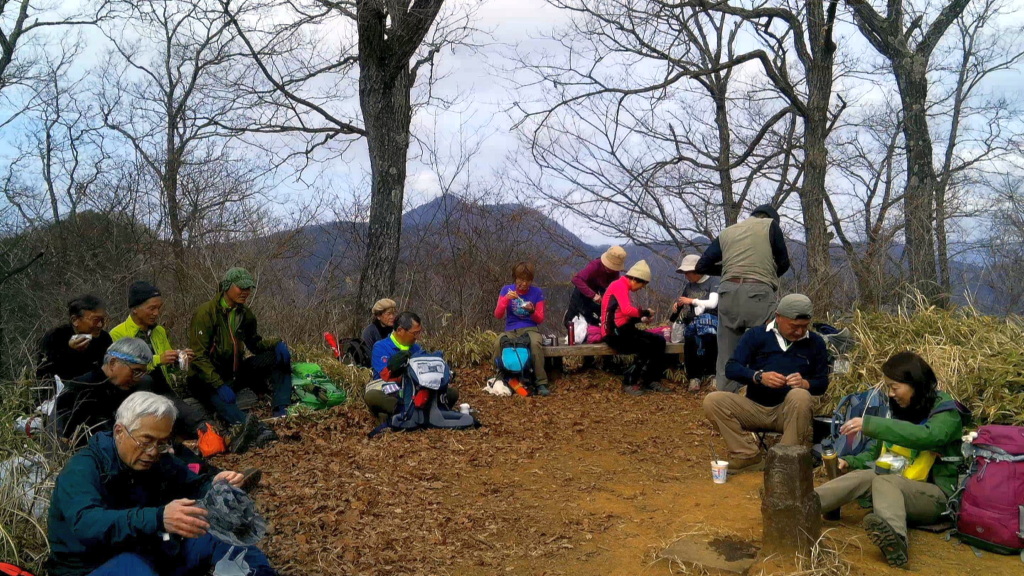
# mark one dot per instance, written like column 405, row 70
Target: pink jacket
column 618, row 292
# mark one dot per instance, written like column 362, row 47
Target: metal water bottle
column 831, row 462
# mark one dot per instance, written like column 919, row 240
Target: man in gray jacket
column 750, row 256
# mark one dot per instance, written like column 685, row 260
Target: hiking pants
column 648, row 348
column 699, row 355
column 897, row 500
column 261, row 373
column 735, row 417
column 382, row 405
column 189, row 419
column 740, row 307
column 197, row 556
column 536, row 351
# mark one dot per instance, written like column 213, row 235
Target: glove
column 397, row 365
column 283, row 355
column 226, row 394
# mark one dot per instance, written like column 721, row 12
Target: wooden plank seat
column 596, row 350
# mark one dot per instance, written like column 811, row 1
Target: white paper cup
column 464, row 408
column 719, row 471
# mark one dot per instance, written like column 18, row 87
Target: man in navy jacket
column 783, row 366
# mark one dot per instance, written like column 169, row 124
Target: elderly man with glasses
column 91, row 399
column 125, row 505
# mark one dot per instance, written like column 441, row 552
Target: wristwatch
column 758, row 375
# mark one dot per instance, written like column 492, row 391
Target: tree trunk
column 387, row 112
column 729, row 205
column 911, row 77
column 941, row 242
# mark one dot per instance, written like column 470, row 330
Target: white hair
column 131, row 350
column 142, row 404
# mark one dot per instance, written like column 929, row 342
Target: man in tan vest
column 750, row 256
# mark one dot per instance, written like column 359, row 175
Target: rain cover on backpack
column 872, row 402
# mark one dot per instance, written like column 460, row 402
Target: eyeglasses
column 150, row 445
column 136, row 372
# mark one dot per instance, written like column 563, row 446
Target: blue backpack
column 514, row 361
column 872, row 402
column 430, row 373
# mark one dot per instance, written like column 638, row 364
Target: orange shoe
column 210, row 441
column 514, row 384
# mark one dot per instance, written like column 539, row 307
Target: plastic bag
column 497, row 387
column 678, row 332
column 228, row 566
column 579, row 329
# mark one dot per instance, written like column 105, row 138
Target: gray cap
column 795, row 307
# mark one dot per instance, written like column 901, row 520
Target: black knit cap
column 140, row 291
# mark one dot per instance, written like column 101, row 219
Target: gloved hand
column 284, row 356
column 398, row 364
column 226, row 393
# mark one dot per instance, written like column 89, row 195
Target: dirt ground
column 585, row 482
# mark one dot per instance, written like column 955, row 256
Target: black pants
column 189, row 417
column 261, row 373
column 580, row 305
column 700, row 354
column 648, row 348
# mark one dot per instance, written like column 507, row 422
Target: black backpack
column 355, row 351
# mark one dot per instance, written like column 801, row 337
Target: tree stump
column 790, row 510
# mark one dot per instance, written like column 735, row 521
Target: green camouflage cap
column 239, row 277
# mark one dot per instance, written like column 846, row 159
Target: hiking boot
column 694, row 385
column 242, row 435
column 892, row 545
column 655, row 387
column 264, row 436
column 741, row 465
column 280, row 413
column 634, row 390
column 542, row 390
column 251, row 479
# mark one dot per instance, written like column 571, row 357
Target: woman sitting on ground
column 384, row 313
column 521, row 304
column 619, row 319
column 923, row 432
column 697, row 309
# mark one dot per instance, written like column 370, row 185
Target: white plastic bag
column 579, row 329
column 496, row 387
column 678, row 332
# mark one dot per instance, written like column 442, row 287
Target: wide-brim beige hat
column 614, row 258
column 640, row 271
column 689, row 263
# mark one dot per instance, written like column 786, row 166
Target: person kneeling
column 390, row 357
column 924, row 436
column 113, row 499
column 782, row 365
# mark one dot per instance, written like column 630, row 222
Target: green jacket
column 219, row 347
column 940, row 433
column 158, row 340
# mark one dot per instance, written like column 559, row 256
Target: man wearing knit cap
column 750, row 256
column 783, row 366
column 591, row 282
column 220, row 332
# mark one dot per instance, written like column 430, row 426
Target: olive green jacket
column 220, row 347
column 940, row 433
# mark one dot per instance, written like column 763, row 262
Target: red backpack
column 990, row 511
column 12, row 570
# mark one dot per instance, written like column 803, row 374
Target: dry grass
column 978, row 359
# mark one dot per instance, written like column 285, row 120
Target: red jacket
column 617, row 298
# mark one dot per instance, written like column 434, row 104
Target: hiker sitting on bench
column 924, row 429
column 783, row 365
column 114, row 498
column 619, row 318
column 590, row 283
column 521, row 304
column 697, row 304
column 390, row 359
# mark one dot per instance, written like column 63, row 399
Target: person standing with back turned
column 750, row 256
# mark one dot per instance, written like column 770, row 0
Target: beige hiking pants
column 897, row 500
column 736, row 416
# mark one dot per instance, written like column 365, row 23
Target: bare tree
column 395, row 43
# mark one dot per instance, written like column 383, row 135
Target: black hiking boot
column 542, row 390
column 242, row 435
column 265, row 436
column 655, row 387
column 893, row 546
column 634, row 390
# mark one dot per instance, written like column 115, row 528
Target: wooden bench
column 553, row 355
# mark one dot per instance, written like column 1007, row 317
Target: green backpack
column 312, row 388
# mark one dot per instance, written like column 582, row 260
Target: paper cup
column 464, row 408
column 719, row 471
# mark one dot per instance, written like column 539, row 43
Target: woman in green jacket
column 923, row 436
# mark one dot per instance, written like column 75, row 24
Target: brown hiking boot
column 741, row 465
column 893, row 545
